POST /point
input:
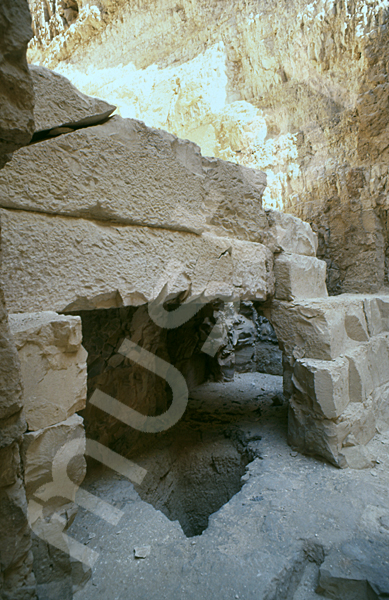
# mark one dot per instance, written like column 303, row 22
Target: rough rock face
column 336, row 373
column 16, row 94
column 297, row 89
column 73, row 109
column 53, row 366
column 16, row 128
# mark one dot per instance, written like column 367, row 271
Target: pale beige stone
column 320, row 437
column 58, row 102
column 321, row 328
column 369, row 367
column 124, row 172
column 380, row 399
column 299, row 277
column 56, row 263
column 377, row 313
column 358, row 457
column 327, row 437
column 41, row 447
column 325, row 383
column 291, row 234
column 53, row 366
column 360, row 421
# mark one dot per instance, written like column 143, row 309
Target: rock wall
column 297, row 89
column 53, row 368
column 16, row 128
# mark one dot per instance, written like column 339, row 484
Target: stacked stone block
column 53, row 368
column 337, row 375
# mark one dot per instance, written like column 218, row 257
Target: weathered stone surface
column 320, row 328
column 58, row 102
column 316, row 434
column 16, row 94
column 53, row 366
column 377, row 313
column 299, row 90
column 41, row 447
column 16, row 578
column 326, row 383
column 125, row 172
column 291, row 234
column 9, row 465
column 54, row 263
column 356, row 569
column 10, row 381
column 320, row 437
column 369, row 367
column 358, row 457
column 299, row 277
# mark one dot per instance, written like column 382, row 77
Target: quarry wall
column 296, row 89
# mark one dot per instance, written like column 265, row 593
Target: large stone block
column 58, row 102
column 369, row 367
column 53, row 366
column 299, row 277
column 377, row 313
column 319, row 437
column 320, row 328
column 360, row 421
column 57, row 263
column 325, row 383
column 124, row 172
column 291, row 234
column 40, row 448
column 326, row 437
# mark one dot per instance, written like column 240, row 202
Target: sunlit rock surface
column 299, row 90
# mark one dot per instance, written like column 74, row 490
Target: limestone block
column 325, row 383
column 56, row 263
column 291, row 234
column 319, row 437
column 360, row 420
column 380, row 401
column 377, row 313
column 53, row 366
column 233, row 200
column 369, row 367
column 299, row 277
column 326, row 437
column 41, row 447
column 321, row 328
column 58, row 102
column 125, row 172
column 358, row 457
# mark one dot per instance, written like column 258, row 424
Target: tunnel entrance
column 196, row 466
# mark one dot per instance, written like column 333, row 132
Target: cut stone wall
column 16, row 128
column 53, row 368
column 337, row 372
column 107, row 251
